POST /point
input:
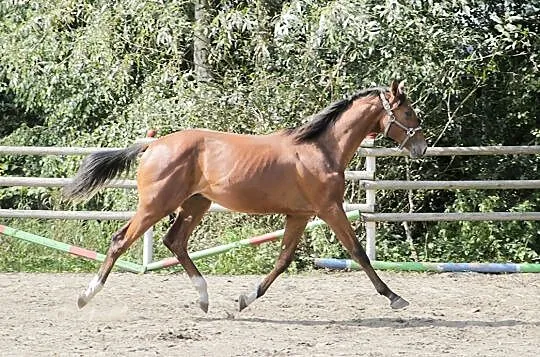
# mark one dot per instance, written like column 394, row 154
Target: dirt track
column 336, row 314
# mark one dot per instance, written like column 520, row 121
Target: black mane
column 328, row 116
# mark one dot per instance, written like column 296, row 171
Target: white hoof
column 93, row 288
column 204, row 306
column 200, row 285
column 82, row 301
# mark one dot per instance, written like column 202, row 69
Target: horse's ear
column 394, row 88
column 397, row 90
column 401, row 88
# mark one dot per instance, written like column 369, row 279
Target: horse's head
column 400, row 122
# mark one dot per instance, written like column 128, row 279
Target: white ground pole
column 371, row 227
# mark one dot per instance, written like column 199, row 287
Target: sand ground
column 315, row 314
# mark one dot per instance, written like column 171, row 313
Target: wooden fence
column 365, row 178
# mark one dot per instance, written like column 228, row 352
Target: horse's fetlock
column 384, row 290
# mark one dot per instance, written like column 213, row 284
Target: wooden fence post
column 371, row 227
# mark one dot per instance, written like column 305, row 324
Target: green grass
column 217, row 229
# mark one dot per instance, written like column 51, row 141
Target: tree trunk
column 201, row 41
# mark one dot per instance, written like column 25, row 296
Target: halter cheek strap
column 410, row 132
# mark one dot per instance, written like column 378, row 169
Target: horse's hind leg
column 337, row 220
column 143, row 219
column 155, row 202
column 120, row 242
column 294, row 227
column 96, row 284
column 176, row 239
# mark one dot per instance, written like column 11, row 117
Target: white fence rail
column 363, row 151
column 451, row 216
column 366, row 180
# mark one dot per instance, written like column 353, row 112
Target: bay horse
column 296, row 172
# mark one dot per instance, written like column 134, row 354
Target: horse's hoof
column 242, row 302
column 82, row 301
column 399, row 303
column 203, row 306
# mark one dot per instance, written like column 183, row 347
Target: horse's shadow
column 415, row 322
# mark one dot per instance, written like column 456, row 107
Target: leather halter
column 410, row 132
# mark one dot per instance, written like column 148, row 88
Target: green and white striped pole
column 81, row 252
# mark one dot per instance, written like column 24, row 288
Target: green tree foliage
column 100, row 73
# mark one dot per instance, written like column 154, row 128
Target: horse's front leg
column 336, row 218
column 294, row 227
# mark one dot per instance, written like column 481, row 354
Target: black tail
column 100, row 167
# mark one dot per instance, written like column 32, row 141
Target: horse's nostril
column 418, row 151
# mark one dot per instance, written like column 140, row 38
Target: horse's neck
column 349, row 131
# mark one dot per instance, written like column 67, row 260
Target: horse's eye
column 408, row 114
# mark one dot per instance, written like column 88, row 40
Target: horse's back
column 248, row 173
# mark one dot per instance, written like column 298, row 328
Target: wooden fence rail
column 362, row 151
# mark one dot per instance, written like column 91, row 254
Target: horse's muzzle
column 418, row 150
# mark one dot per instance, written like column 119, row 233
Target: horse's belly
column 259, row 200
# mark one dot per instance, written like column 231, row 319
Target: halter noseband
column 408, row 131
